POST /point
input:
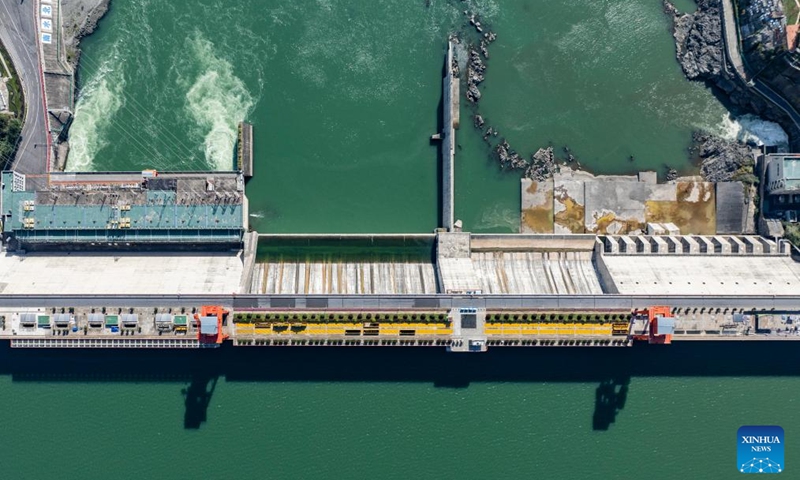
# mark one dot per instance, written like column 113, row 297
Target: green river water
column 344, row 96
column 394, row 413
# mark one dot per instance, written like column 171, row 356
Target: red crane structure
column 209, row 323
column 660, row 324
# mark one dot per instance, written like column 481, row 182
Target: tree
column 10, row 129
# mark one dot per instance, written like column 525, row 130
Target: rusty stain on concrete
column 539, row 219
column 572, row 215
column 694, row 210
column 609, row 223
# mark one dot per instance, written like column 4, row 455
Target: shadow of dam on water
column 199, row 370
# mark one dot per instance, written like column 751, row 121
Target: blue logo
column 760, row 449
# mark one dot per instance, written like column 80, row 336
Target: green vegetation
column 791, row 10
column 10, row 129
column 16, row 102
column 557, row 317
column 11, row 124
column 792, row 233
column 745, row 175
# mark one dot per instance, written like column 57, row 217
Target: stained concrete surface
column 578, row 202
column 536, row 272
column 344, row 277
column 537, row 206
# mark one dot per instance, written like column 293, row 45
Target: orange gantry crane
column 660, row 324
column 209, row 323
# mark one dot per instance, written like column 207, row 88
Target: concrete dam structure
column 517, row 264
column 167, row 260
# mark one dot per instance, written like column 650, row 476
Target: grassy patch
column 791, row 11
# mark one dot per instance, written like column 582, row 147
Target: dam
column 155, row 259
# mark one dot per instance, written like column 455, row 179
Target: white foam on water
column 495, row 216
column 99, row 101
column 753, row 130
column 217, row 101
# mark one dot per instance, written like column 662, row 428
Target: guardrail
column 443, row 301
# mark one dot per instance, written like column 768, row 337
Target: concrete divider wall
column 249, row 261
column 606, row 280
column 526, row 242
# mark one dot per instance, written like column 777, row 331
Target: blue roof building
column 120, row 210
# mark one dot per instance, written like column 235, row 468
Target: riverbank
column 716, row 158
column 80, row 19
column 700, row 51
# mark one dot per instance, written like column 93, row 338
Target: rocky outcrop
column 475, row 69
column 509, row 158
column 543, row 165
column 722, row 160
column 79, row 19
column 478, row 53
column 698, row 40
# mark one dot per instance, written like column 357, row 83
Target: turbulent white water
column 99, row 101
column 753, row 130
column 217, row 101
column 107, row 113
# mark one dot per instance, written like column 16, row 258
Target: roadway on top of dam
column 779, row 303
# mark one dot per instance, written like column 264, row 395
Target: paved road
column 778, row 100
column 333, row 302
column 18, row 33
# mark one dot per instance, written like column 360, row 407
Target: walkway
column 395, row 302
column 448, row 146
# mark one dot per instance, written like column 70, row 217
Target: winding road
column 19, row 36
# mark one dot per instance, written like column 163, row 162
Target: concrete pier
column 244, row 153
column 248, row 261
column 450, row 117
